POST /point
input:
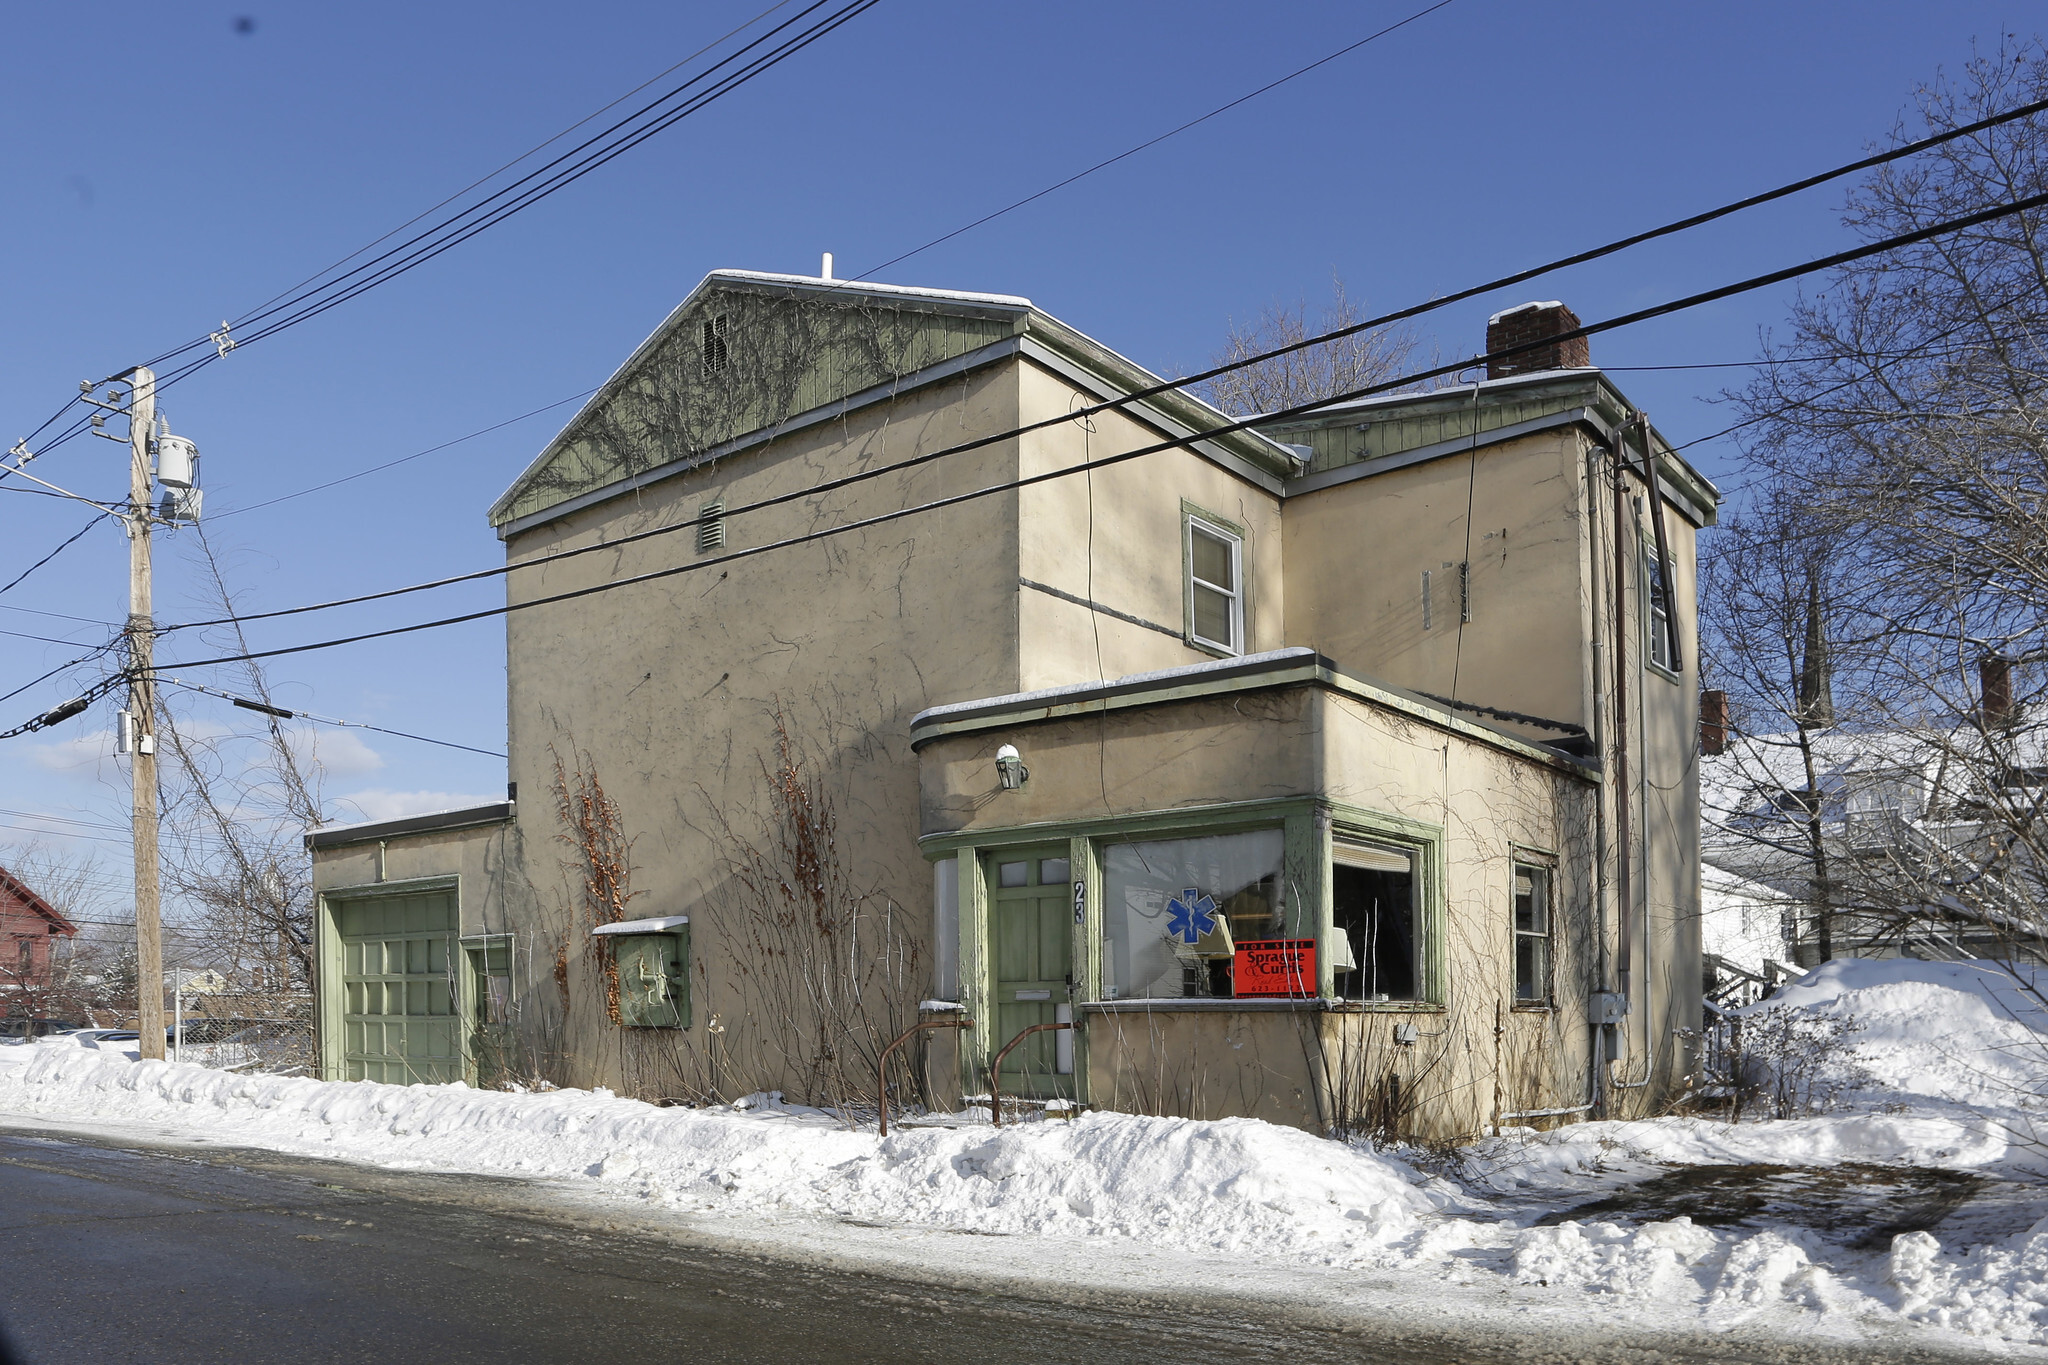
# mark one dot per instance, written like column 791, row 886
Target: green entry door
column 1031, row 905
column 399, row 1021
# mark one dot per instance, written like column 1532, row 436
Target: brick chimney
column 1994, row 689
column 1529, row 323
column 1713, row 721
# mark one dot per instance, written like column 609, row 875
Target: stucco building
column 863, row 667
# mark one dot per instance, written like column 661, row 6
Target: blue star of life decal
column 1190, row 915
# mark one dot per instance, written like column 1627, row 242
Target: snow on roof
column 1390, row 399
column 1053, row 694
column 1522, row 308
column 659, row 925
column 868, row 287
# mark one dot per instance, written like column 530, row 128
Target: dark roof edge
column 434, row 822
column 1290, row 667
column 34, row 901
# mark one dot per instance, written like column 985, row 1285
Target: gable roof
column 1366, row 436
column 23, row 892
column 669, row 408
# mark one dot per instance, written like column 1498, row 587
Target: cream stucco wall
column 1113, row 536
column 1318, row 761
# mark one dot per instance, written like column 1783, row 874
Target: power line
column 492, row 175
column 76, row 536
column 92, row 653
column 403, row 459
column 453, row 232
column 1398, row 315
column 1587, row 330
column 281, row 713
column 1154, row 142
column 571, row 166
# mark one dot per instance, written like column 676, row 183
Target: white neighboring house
column 1925, row 839
column 1747, row 934
column 208, row 982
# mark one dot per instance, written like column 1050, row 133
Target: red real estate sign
column 1274, row 967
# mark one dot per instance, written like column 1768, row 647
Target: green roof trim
column 747, row 355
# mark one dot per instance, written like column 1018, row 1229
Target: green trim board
column 329, row 998
column 401, row 992
column 1309, row 826
column 1292, row 667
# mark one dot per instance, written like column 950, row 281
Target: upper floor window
column 1657, row 611
column 1215, row 569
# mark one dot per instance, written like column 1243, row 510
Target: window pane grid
column 1214, row 567
column 1532, row 934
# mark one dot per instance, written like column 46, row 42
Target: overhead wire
column 1089, row 410
column 1633, row 318
column 1154, row 142
column 75, row 537
column 553, row 176
column 489, row 176
column 284, row 713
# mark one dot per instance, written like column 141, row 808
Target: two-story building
column 880, row 654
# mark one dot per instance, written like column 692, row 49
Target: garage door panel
column 399, row 1022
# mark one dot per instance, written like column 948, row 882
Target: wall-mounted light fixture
column 1010, row 769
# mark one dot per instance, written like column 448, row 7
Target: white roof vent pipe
column 177, row 461
column 825, row 270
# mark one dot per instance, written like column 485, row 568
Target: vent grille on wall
column 714, row 344
column 710, row 527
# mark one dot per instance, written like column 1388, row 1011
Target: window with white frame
column 1532, row 934
column 1215, row 586
column 1657, row 611
column 1375, row 940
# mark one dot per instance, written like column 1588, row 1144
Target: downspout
column 1629, row 912
column 1666, row 578
column 1596, row 1082
column 1624, row 900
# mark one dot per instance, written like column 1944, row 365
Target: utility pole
column 149, row 944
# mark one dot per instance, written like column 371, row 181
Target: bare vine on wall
column 601, row 865
column 825, row 970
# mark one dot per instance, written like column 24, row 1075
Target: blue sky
column 167, row 169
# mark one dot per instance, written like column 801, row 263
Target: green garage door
column 399, row 1022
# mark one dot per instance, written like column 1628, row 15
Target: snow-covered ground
column 1932, row 1081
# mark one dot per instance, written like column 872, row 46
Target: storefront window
column 1173, row 909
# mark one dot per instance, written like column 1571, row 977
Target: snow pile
column 1232, row 1185
column 1999, row 1291
column 1961, row 1033
column 1941, row 1070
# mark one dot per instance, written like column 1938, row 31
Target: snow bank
column 1234, row 1185
column 1966, row 1033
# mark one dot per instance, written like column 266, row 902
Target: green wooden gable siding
column 1373, row 433
column 784, row 352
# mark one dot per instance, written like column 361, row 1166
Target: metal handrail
column 882, row 1066
column 995, row 1070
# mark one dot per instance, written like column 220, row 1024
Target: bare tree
column 1905, row 419
column 236, row 809
column 1319, row 371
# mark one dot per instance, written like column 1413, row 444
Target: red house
column 29, row 927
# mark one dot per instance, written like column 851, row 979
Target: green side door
column 399, row 1019
column 1031, row 913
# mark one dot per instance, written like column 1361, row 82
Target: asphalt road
column 142, row 1256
